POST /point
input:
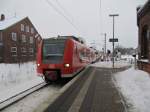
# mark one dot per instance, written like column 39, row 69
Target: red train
column 62, row 57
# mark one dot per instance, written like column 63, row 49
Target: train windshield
column 53, row 52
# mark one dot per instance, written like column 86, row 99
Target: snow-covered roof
column 142, row 7
column 9, row 22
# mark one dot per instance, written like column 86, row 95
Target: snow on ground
column 108, row 64
column 15, row 78
column 127, row 57
column 135, row 87
column 34, row 102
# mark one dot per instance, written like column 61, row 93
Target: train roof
column 65, row 38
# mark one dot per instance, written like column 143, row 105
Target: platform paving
column 94, row 91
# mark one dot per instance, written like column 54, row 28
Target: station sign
column 113, row 40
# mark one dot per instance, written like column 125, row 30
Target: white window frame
column 31, row 40
column 14, row 50
column 23, row 50
column 14, row 36
column 23, row 38
column 27, row 29
column 23, row 55
column 32, row 30
column 22, row 27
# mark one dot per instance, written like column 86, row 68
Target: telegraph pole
column 113, row 39
column 105, row 44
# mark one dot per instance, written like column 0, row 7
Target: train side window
column 76, row 49
column 81, row 55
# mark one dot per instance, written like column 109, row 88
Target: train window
column 76, row 49
column 53, row 49
column 53, row 53
column 83, row 55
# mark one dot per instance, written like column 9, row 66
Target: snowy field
column 15, row 78
column 135, row 87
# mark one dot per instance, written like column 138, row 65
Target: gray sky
column 84, row 14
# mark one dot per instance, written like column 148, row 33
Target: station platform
column 94, row 91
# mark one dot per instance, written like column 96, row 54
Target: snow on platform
column 15, row 78
column 135, row 87
column 108, row 64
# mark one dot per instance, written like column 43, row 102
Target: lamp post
column 113, row 16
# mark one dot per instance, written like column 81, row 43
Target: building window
column 24, row 50
column 31, row 50
column 27, row 28
column 31, row 40
column 22, row 27
column 14, row 36
column 32, row 30
column 14, row 51
column 24, row 38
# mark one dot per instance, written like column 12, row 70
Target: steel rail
column 13, row 99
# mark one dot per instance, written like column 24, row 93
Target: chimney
column 2, row 17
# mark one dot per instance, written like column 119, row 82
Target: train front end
column 52, row 62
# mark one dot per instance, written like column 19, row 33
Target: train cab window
column 81, row 55
column 53, row 49
column 53, row 52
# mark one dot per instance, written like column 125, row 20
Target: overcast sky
column 90, row 19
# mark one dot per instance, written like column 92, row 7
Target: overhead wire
column 61, row 6
column 100, row 21
column 100, row 15
column 63, row 15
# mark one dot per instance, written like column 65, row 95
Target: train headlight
column 67, row 65
column 38, row 64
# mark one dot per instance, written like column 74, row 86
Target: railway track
column 10, row 101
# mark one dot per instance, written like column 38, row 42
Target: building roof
column 147, row 4
column 9, row 22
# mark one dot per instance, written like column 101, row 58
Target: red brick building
column 18, row 40
column 143, row 17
